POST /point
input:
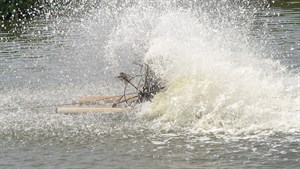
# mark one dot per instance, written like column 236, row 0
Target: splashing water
column 218, row 74
column 229, row 96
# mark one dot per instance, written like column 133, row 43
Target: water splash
column 219, row 74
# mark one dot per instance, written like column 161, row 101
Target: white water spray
column 217, row 74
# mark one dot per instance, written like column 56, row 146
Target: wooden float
column 91, row 109
column 87, row 105
column 105, row 99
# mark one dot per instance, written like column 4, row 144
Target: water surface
column 233, row 87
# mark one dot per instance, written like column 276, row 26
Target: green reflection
column 285, row 3
column 18, row 9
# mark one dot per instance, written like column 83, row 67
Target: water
column 232, row 101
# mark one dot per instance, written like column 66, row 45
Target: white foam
column 217, row 75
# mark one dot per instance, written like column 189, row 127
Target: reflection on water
column 285, row 27
column 39, row 48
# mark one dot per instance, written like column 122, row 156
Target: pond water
column 232, row 76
